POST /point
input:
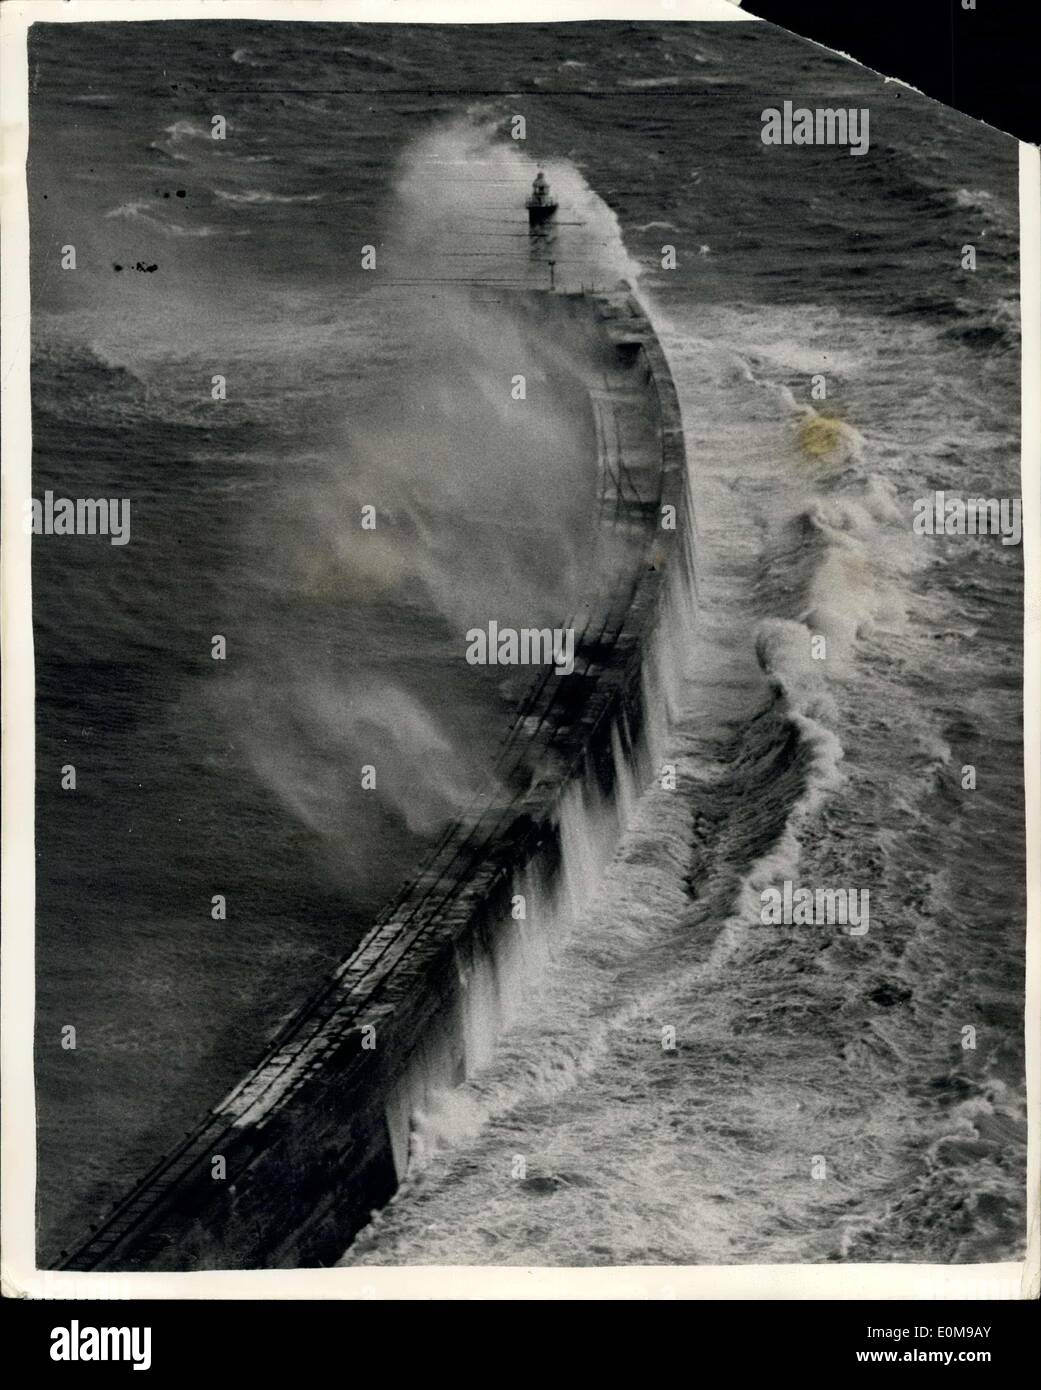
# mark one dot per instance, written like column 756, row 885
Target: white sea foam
column 706, row 1157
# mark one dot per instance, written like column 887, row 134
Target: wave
column 625, row 1154
column 664, row 916
column 186, row 130
column 978, row 199
column 252, row 196
column 641, row 83
column 144, row 213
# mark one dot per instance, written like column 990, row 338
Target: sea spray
column 503, row 969
column 439, row 504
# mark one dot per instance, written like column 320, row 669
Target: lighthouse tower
column 541, row 205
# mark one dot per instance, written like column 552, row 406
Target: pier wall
column 318, row 1135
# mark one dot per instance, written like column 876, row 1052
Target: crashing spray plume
column 472, row 452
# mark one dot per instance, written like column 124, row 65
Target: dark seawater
column 196, row 778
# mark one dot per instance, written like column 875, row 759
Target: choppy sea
column 197, row 778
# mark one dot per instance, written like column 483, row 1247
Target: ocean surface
column 242, row 778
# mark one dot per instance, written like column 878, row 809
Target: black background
column 532, row 1345
column 983, row 61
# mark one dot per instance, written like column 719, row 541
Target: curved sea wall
column 318, row 1134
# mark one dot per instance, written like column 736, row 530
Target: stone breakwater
column 289, row 1166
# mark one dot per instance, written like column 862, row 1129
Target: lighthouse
column 541, row 205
